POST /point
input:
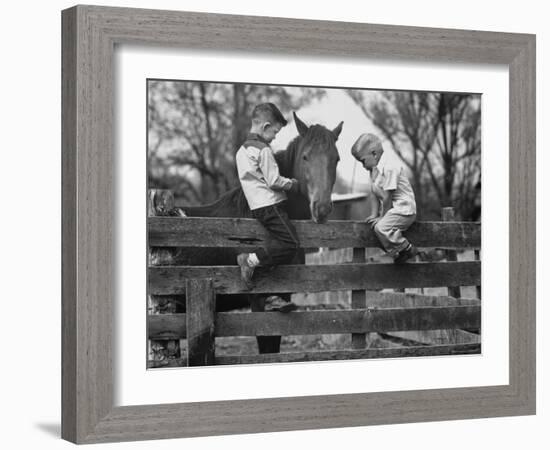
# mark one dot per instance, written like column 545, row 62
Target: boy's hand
column 372, row 220
column 294, row 185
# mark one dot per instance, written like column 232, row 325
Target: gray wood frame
column 89, row 36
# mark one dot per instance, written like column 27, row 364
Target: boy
column 264, row 189
column 392, row 191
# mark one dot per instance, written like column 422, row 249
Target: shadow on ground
column 53, row 429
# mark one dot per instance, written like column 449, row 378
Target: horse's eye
column 305, row 157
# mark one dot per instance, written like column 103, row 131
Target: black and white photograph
column 305, row 223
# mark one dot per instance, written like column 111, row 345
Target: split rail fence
column 370, row 312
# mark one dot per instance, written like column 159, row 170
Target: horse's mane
column 285, row 159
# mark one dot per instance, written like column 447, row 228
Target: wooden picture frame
column 89, row 36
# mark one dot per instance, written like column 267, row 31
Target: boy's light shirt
column 391, row 177
column 259, row 176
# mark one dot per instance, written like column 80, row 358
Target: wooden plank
column 409, row 299
column 333, row 355
column 439, row 337
column 248, row 233
column 358, row 301
column 402, row 352
column 173, row 326
column 70, row 337
column 402, row 341
column 298, row 278
column 346, row 321
column 200, row 320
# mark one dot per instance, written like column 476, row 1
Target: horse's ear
column 336, row 132
column 300, row 126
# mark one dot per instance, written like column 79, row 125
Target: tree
column 195, row 129
column 438, row 138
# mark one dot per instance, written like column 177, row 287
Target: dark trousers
column 275, row 219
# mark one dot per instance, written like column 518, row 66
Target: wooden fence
column 370, row 312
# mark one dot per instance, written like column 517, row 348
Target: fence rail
column 335, row 355
column 226, row 279
column 174, row 326
column 248, row 233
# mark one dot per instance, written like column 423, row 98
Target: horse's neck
column 288, row 162
column 298, row 207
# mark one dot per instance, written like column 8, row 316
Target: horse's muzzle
column 320, row 211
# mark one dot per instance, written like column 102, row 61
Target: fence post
column 358, row 301
column 448, row 215
column 160, row 202
column 200, row 316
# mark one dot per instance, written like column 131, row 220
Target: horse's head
column 315, row 166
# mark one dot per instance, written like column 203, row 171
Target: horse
column 311, row 158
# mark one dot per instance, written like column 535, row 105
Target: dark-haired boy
column 264, row 189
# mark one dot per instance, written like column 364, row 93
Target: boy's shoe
column 246, row 270
column 404, row 255
column 276, row 303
